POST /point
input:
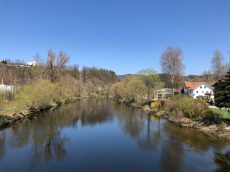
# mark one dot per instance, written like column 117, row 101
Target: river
column 100, row 135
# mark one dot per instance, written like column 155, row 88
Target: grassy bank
column 196, row 110
column 193, row 113
column 223, row 114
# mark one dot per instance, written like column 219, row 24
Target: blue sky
column 121, row 35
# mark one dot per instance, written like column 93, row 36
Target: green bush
column 224, row 114
column 39, row 93
column 187, row 106
column 189, row 113
column 210, row 116
column 130, row 90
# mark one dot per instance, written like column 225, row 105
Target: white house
column 198, row 89
column 7, row 88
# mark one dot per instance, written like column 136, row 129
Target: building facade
column 198, row 90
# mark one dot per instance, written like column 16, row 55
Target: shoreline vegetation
column 44, row 86
column 36, row 97
column 186, row 112
column 12, row 116
column 141, row 91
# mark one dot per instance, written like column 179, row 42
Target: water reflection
column 169, row 147
column 223, row 161
column 172, row 155
column 54, row 147
column 130, row 120
column 151, row 135
column 193, row 138
column 2, row 144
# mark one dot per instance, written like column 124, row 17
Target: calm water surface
column 99, row 135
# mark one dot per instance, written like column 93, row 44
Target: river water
column 100, row 135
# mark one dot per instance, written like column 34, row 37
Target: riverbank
column 11, row 117
column 219, row 130
column 190, row 114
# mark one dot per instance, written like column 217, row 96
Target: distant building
column 33, row 63
column 7, row 88
column 198, row 90
column 20, row 64
column 164, row 93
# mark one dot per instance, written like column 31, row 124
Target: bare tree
column 217, row 64
column 50, row 65
column 172, row 66
column 62, row 59
column 227, row 66
column 207, row 75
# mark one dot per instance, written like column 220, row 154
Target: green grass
column 222, row 113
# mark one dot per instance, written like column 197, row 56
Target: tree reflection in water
column 196, row 140
column 173, row 148
column 223, row 161
column 130, row 120
column 45, row 133
column 151, row 136
column 46, row 139
column 52, row 148
column 149, row 131
column 172, row 155
column 2, row 144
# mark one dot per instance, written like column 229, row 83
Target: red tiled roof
column 192, row 85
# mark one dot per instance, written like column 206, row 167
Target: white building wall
column 7, row 88
column 202, row 90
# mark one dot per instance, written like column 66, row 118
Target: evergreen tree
column 227, row 90
column 222, row 92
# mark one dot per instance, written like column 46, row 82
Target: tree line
column 144, row 85
column 55, row 74
column 91, row 81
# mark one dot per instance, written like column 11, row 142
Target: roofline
column 200, row 84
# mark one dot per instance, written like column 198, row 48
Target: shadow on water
column 169, row 145
column 45, row 133
column 223, row 161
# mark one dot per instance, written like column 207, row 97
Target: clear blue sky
column 121, row 35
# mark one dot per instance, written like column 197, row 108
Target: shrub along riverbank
column 194, row 113
column 33, row 98
column 46, row 85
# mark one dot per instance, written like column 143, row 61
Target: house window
column 201, row 87
column 202, row 91
column 205, row 87
column 196, row 91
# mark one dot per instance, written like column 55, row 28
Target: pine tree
column 218, row 93
column 222, row 92
column 227, row 90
